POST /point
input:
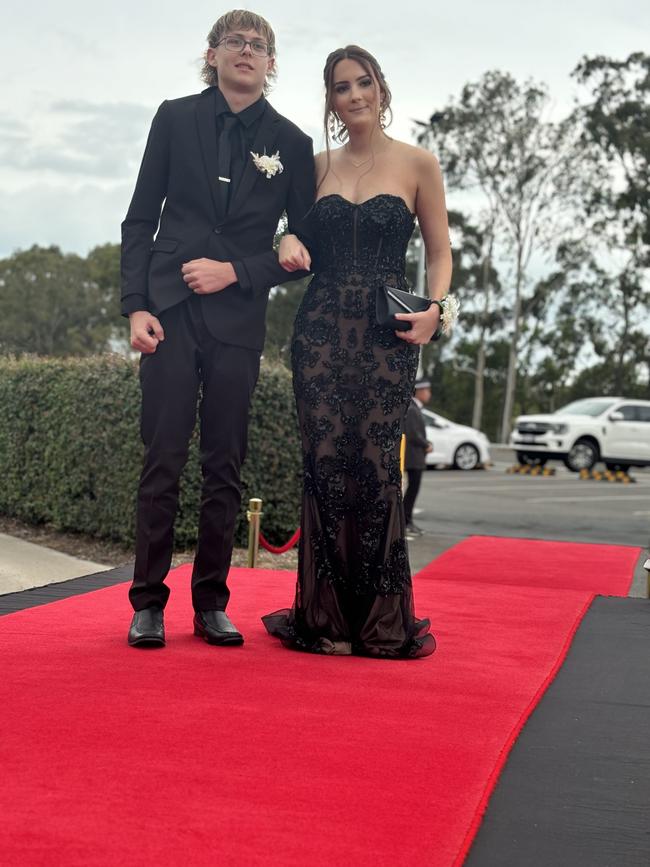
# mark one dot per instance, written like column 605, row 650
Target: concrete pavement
column 24, row 565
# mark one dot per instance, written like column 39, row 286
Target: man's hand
column 146, row 331
column 205, row 276
column 423, row 325
column 293, row 255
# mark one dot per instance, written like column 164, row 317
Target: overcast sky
column 81, row 80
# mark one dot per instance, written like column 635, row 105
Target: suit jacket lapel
column 264, row 141
column 207, row 127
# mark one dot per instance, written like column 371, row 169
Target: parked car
column 615, row 430
column 455, row 445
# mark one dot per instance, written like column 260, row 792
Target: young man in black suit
column 226, row 166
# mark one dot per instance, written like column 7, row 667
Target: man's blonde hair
column 238, row 19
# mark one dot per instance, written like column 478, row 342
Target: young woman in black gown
column 353, row 379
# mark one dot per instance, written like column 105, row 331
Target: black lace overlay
column 353, row 382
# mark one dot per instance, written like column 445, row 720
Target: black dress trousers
column 170, row 379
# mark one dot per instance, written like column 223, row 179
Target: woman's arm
column 293, row 254
column 431, row 212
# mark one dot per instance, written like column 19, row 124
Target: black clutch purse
column 391, row 301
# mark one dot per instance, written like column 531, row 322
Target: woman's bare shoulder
column 419, row 156
column 325, row 162
column 321, row 159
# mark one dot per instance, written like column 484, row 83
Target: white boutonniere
column 450, row 311
column 268, row 165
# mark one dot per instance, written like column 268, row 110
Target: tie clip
column 226, row 180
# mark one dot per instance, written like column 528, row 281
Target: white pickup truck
column 615, row 430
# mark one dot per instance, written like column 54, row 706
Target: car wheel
column 531, row 459
column 466, row 457
column 582, row 456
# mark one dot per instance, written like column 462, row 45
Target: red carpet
column 259, row 755
column 603, row 569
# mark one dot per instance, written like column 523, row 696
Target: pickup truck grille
column 533, row 427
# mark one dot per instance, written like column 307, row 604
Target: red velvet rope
column 286, row 547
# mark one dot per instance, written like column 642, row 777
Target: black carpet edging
column 11, row 602
column 575, row 791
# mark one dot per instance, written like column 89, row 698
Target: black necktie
column 225, row 154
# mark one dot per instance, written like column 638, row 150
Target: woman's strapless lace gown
column 353, row 382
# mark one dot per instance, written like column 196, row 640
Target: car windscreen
column 432, row 420
column 588, row 406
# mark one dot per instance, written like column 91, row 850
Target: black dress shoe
column 413, row 529
column 215, row 627
column 147, row 628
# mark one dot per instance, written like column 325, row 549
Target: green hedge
column 70, row 449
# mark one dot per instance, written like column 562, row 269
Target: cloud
column 119, row 112
column 13, row 133
column 76, row 115
column 75, row 219
column 78, row 138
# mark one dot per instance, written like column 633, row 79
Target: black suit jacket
column 416, row 438
column 179, row 168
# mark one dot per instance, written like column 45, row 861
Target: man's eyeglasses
column 238, row 43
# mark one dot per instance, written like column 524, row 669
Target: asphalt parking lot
column 561, row 507
column 453, row 505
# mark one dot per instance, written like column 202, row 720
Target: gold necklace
column 354, row 162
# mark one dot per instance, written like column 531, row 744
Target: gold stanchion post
column 402, row 453
column 253, row 514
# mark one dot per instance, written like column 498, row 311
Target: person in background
column 417, row 447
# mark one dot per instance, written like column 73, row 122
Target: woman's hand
column 293, row 255
column 423, row 325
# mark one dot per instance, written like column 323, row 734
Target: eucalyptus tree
column 51, row 305
column 607, row 256
column 476, row 282
column 497, row 142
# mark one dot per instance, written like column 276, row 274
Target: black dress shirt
column 242, row 135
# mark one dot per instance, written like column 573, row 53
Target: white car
column 615, row 430
column 455, row 445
